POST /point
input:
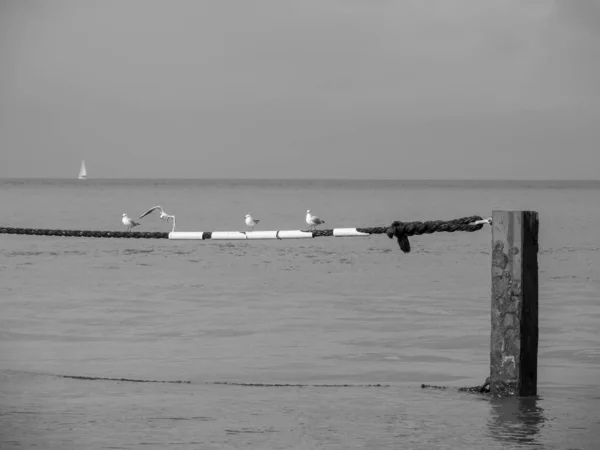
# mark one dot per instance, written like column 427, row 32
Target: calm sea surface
column 329, row 311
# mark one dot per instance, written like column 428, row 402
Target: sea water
column 329, row 314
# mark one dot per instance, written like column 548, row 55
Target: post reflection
column 516, row 420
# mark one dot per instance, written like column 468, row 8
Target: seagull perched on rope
column 129, row 222
column 251, row 221
column 312, row 220
column 163, row 215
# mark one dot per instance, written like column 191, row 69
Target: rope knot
column 401, row 230
column 398, row 230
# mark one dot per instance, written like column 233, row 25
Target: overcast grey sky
column 302, row 89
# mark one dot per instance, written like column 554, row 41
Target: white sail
column 82, row 171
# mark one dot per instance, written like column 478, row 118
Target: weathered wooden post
column 514, row 338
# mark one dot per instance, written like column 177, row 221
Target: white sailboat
column 82, row 171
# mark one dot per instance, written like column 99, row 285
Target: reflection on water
column 516, row 420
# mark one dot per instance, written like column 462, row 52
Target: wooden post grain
column 514, row 337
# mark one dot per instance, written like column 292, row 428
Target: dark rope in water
column 128, row 380
column 481, row 389
column 225, row 383
column 229, row 383
column 400, row 230
column 484, row 388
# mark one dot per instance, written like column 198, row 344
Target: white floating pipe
column 241, row 235
column 188, row 235
column 282, row 234
column 228, row 235
column 261, row 234
column 294, row 234
column 348, row 232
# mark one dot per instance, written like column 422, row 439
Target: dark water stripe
column 227, row 383
column 130, row 380
column 230, row 383
column 484, row 388
column 481, row 389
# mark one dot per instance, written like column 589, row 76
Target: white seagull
column 163, row 215
column 128, row 222
column 251, row 221
column 313, row 221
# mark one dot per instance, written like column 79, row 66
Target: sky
column 445, row 89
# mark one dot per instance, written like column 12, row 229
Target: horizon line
column 295, row 179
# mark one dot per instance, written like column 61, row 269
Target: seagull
column 128, row 222
column 163, row 215
column 251, row 221
column 313, row 221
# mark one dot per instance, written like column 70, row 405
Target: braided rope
column 399, row 230
column 85, row 233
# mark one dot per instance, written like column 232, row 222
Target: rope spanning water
column 85, row 233
column 399, row 230
column 229, row 383
column 484, row 388
column 481, row 389
column 224, row 383
column 129, row 380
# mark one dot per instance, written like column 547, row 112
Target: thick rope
column 399, row 230
column 85, row 233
